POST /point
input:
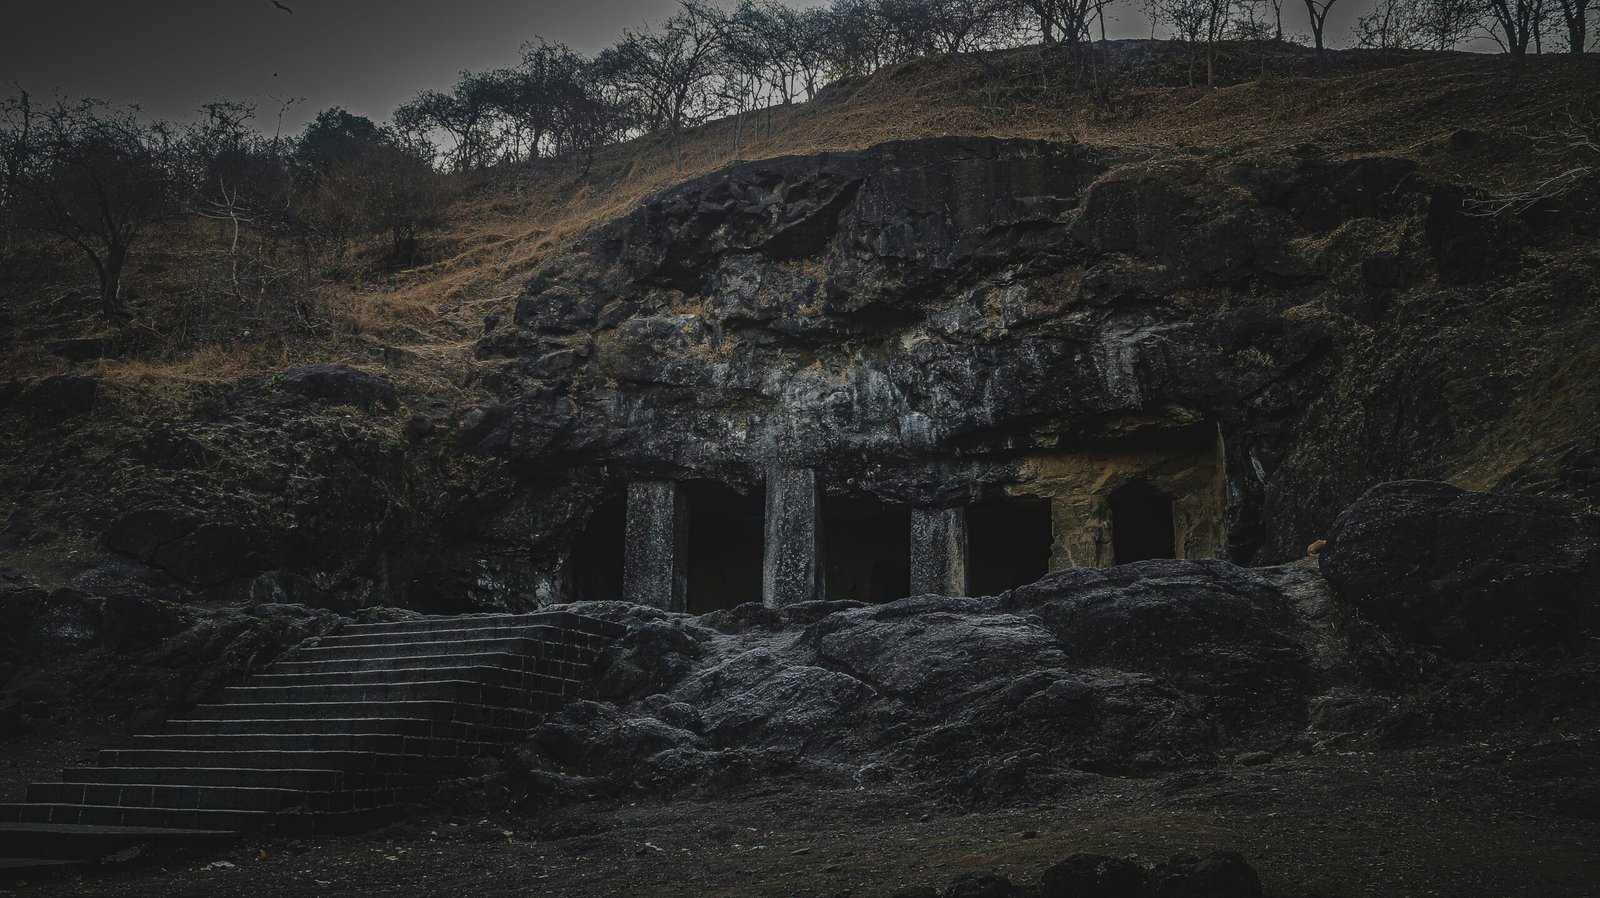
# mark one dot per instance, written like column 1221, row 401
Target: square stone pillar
column 792, row 557
column 939, row 551
column 655, row 560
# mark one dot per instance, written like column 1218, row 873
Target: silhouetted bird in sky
column 282, row 7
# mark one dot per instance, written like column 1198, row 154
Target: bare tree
column 1197, row 22
column 1575, row 17
column 1514, row 24
column 466, row 114
column 16, row 138
column 1318, row 11
column 98, row 176
column 957, row 27
column 668, row 70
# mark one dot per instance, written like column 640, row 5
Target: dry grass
column 506, row 222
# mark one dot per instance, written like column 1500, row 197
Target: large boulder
column 933, row 652
column 1213, row 629
column 339, row 384
column 1465, row 572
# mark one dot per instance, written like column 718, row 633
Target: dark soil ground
column 1513, row 816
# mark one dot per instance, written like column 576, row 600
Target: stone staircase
column 335, row 734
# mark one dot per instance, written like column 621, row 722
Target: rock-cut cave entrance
column 724, row 546
column 1141, row 523
column 1009, row 540
column 597, row 552
column 866, row 550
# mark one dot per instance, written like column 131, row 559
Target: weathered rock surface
column 134, row 656
column 1466, row 572
column 915, row 320
column 984, row 689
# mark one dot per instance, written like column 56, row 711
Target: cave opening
column 1141, row 523
column 866, row 550
column 1009, row 540
column 597, row 552
column 724, row 546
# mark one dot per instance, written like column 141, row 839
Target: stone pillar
column 792, row 556
column 939, row 551
column 655, row 560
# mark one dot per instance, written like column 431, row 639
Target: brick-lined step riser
column 488, row 676
column 239, row 798
column 521, row 718
column 473, row 645
column 381, row 743
column 225, row 798
column 554, row 667
column 463, row 691
column 563, row 620
column 98, row 815
column 276, row 778
column 343, row 761
column 436, row 729
column 534, row 633
column 43, row 841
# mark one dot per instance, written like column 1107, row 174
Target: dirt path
column 1478, row 820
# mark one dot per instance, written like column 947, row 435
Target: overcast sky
column 369, row 56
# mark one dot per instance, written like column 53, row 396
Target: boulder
column 1464, row 572
column 212, row 553
column 1221, row 874
column 140, row 533
column 980, row 885
column 339, row 384
column 931, row 651
column 1094, row 876
column 1213, row 628
column 62, row 396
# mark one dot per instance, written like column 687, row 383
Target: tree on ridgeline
column 669, row 71
column 16, row 135
column 97, row 176
column 1317, row 11
column 465, row 113
column 1514, row 24
column 1575, row 18
column 358, row 177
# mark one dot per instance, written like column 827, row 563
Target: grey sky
column 369, row 56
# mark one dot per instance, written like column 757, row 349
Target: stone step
column 150, row 795
column 564, row 620
column 461, row 691
column 533, row 632
column 301, row 779
column 382, row 743
column 521, row 718
column 24, row 864
column 493, row 676
column 78, row 841
column 474, row 644
column 401, row 726
column 113, row 815
column 505, row 660
column 288, row 759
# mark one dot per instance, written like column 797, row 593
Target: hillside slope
column 1411, row 336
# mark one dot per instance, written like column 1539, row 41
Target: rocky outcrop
column 979, row 694
column 1470, row 573
column 922, row 322
column 135, row 657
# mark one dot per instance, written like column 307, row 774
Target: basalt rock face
column 916, row 321
column 907, row 318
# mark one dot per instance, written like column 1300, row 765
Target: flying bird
column 282, row 7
